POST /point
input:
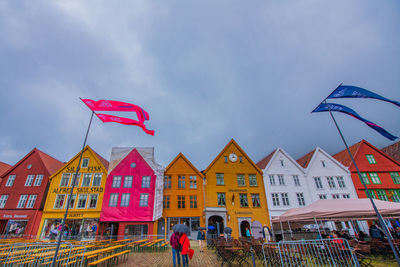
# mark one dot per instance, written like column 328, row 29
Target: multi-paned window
column 93, row 201
column 364, row 178
column 323, row 163
column 221, row 199
column 87, row 177
column 193, row 182
column 335, row 196
column 82, row 201
column 167, row 182
column 240, row 180
column 322, row 196
column 374, row 178
column 116, row 183
column 281, row 179
column 318, row 182
column 125, row 197
column 72, row 201
column 331, row 182
column 29, row 180
column 300, row 199
column 181, row 202
column 59, row 202
column 193, row 202
column 340, row 181
column 271, row 179
column 31, row 201
column 395, row 177
column 113, row 200
column 166, row 200
column 38, row 180
column 382, row 194
column 255, row 199
column 10, row 180
column 396, row 195
column 275, row 199
column 181, row 181
column 346, row 195
column 285, row 199
column 252, row 180
column 85, row 163
column 144, row 200
column 296, row 180
column 3, row 201
column 22, row 201
column 243, row 200
column 76, row 180
column 220, row 178
column 371, row 159
column 371, row 193
column 65, row 179
column 97, row 179
column 128, row 180
column 146, row 182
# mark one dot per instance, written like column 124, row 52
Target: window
column 275, row 199
column 29, row 180
column 323, row 163
column 128, row 180
column 364, row 178
column 335, row 196
column 65, row 179
column 38, row 180
column 271, row 179
column 240, row 180
column 382, row 195
column 113, row 200
column 346, row 195
column 31, row 201
column 371, row 159
column 300, row 199
column 281, row 180
column 3, row 200
column 167, row 181
column 181, row 202
column 116, row 183
column 22, row 201
column 93, row 201
column 76, row 180
column 146, row 182
column 193, row 202
column 220, row 178
column 97, row 179
column 395, row 197
column 59, row 202
column 72, row 201
column 374, row 178
column 144, row 200
column 166, row 202
column 318, row 182
column 125, row 200
column 331, row 182
column 371, row 193
column 252, row 180
column 395, row 177
column 193, row 182
column 240, row 159
column 285, row 199
column 243, row 200
column 296, row 180
column 82, row 201
column 225, row 159
column 181, row 181
column 323, row 196
column 282, row 163
column 85, row 163
column 87, row 177
column 255, row 199
column 10, row 180
column 221, row 199
column 340, row 182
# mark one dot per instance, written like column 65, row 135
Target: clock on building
column 233, row 157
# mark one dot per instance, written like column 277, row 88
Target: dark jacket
column 174, row 240
column 201, row 235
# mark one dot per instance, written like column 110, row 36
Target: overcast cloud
column 206, row 71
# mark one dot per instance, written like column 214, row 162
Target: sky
column 205, row 71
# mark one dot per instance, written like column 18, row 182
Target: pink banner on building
column 122, row 120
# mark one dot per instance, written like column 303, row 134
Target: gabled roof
column 51, row 164
column 271, row 157
column 393, row 150
column 305, row 160
column 232, row 142
column 103, row 160
column 180, row 155
column 264, row 162
column 4, row 167
column 320, row 150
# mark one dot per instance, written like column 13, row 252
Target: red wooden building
column 380, row 172
column 23, row 190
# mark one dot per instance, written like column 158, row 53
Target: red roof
column 264, row 162
column 103, row 160
column 393, row 150
column 305, row 160
column 343, row 156
column 51, row 164
column 4, row 167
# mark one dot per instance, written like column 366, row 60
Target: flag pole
column 380, row 219
column 53, row 264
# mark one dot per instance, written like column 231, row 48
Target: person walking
column 185, row 244
column 201, row 236
column 248, row 234
column 174, row 242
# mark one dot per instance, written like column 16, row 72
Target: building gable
column 181, row 157
column 279, row 155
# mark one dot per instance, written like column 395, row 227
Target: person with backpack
column 201, row 236
column 174, row 242
column 185, row 245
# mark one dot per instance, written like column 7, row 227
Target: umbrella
column 202, row 228
column 228, row 230
column 211, row 227
column 181, row 228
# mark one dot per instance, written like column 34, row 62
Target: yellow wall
column 230, row 187
column 95, row 166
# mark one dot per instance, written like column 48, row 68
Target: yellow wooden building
column 235, row 195
column 84, row 212
column 183, row 196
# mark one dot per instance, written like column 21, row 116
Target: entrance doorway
column 243, row 226
column 161, row 228
column 216, row 222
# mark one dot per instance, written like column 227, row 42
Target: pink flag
column 122, row 120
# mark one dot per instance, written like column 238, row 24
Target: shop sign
column 89, row 169
column 75, row 215
column 15, row 216
column 237, row 190
column 243, row 212
column 63, row 190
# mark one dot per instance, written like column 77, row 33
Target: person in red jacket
column 185, row 244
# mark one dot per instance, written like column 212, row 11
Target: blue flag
column 348, row 91
column 340, row 108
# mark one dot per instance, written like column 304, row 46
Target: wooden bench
column 111, row 257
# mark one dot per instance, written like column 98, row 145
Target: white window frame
column 335, row 196
column 318, row 182
column 85, row 175
column 59, row 197
column 341, row 182
column 146, row 181
column 275, row 199
column 144, row 199
column 331, row 182
column 3, row 201
column 38, row 180
column 83, row 161
column 346, row 196
column 125, row 199
column 90, row 200
column 300, row 199
column 116, row 181
column 96, row 176
column 322, row 196
column 11, row 180
column 83, row 196
column 31, row 201
column 128, row 178
column 281, row 179
column 296, row 180
column 77, row 179
column 272, row 179
column 61, row 180
column 241, row 179
column 22, row 201
column 193, row 182
column 220, row 178
column 253, row 180
column 29, row 180
column 113, row 200
column 73, row 197
column 285, row 199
